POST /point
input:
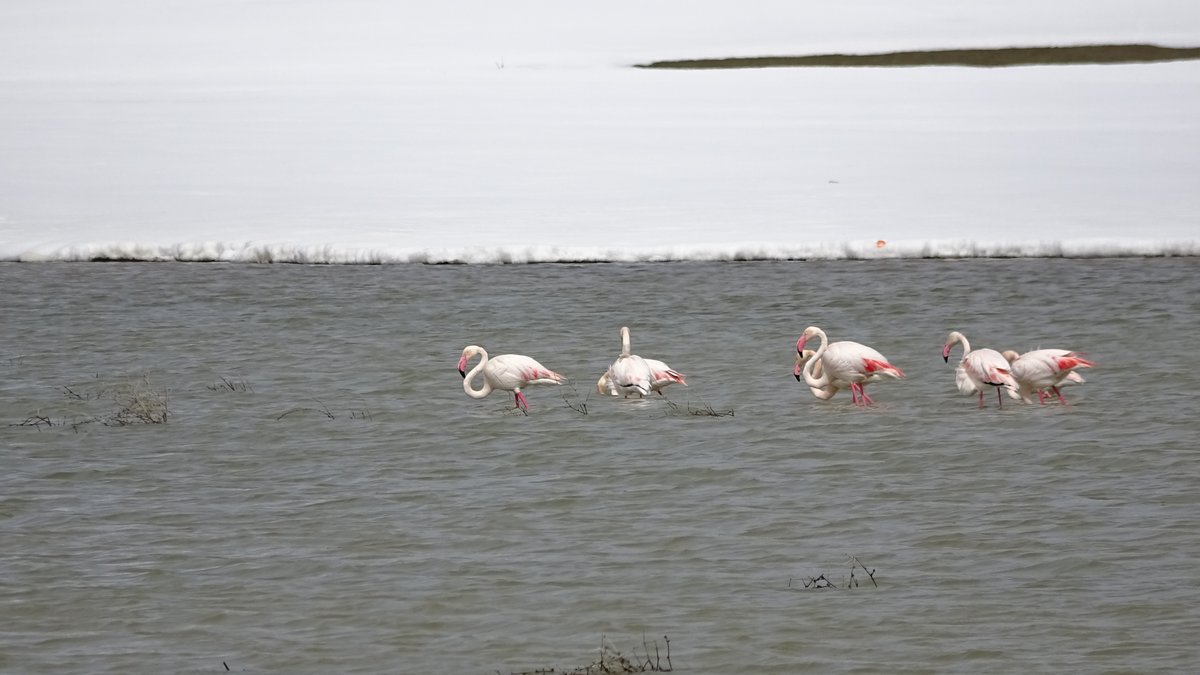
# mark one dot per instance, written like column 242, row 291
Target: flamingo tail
column 543, row 376
column 882, row 367
column 672, row 375
column 1072, row 360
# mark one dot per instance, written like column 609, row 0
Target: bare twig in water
column 355, row 414
column 581, row 407
column 82, row 396
column 870, row 573
column 227, row 384
column 822, row 581
column 612, row 661
column 139, row 402
column 323, row 410
column 37, row 420
column 705, row 411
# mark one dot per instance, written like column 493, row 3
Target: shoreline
column 976, row 58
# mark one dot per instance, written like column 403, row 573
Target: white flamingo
column 1042, row 369
column 979, row 367
column 802, row 358
column 629, row 374
column 509, row 372
column 661, row 376
column 845, row 364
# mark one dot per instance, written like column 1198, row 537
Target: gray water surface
column 325, row 498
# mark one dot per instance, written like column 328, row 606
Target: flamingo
column 1040, row 369
column 629, row 374
column 661, row 376
column 844, row 364
column 979, row 367
column 802, row 358
column 509, row 372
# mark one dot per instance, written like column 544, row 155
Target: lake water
column 324, row 498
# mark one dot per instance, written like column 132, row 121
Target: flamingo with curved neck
column 509, row 372
column 979, row 367
column 816, row 373
column 842, row 364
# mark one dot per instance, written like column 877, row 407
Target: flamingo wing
column 662, row 375
column 964, row 381
column 512, row 371
column 630, row 375
column 854, row 362
column 841, row 364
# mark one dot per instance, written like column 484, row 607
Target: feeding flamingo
column 1042, row 369
column 509, row 372
column 629, row 374
column 661, row 376
column 802, row 358
column 979, row 367
column 844, row 364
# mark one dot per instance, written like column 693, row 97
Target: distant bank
column 980, row 58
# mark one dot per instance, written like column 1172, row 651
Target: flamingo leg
column 1041, row 397
column 520, row 401
column 980, row 398
column 999, row 398
column 854, row 393
column 862, row 396
column 1060, row 396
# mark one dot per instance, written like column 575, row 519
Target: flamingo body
column 978, row 369
column 841, row 365
column 1041, row 369
column 629, row 374
column 661, row 376
column 508, row 372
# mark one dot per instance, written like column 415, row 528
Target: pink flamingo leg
column 981, row 398
column 854, row 393
column 1041, row 397
column 520, row 401
column 862, row 393
column 1060, row 396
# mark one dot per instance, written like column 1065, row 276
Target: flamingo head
column 466, row 356
column 802, row 357
column 952, row 339
column 811, row 331
column 1009, row 355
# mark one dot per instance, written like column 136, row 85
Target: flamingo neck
column 809, row 375
column 625, row 351
column 475, row 372
column 954, row 338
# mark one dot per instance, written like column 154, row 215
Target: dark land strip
column 980, row 58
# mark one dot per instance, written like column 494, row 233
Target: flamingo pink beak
column 800, row 344
column 946, row 353
column 462, row 366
